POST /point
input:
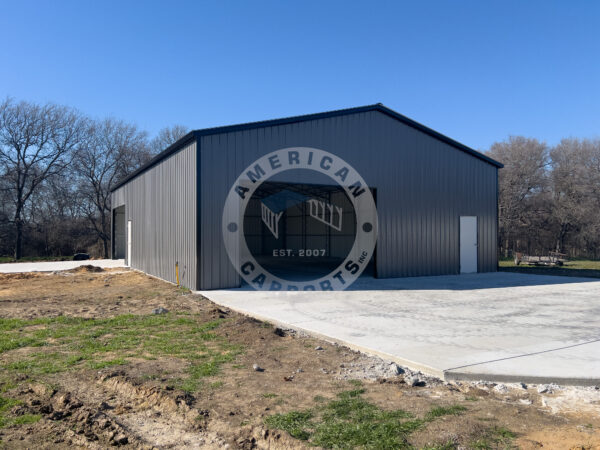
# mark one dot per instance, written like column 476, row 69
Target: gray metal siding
column 161, row 203
column 117, row 198
column 423, row 187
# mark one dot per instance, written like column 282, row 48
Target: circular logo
column 300, row 218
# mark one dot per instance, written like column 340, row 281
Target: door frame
column 129, row 233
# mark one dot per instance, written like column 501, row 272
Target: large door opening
column 119, row 241
column 299, row 231
column 468, row 244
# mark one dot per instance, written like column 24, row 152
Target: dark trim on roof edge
column 435, row 134
column 185, row 140
column 284, row 121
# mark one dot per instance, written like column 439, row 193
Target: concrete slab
column 495, row 326
column 50, row 266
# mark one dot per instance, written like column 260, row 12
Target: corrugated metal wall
column 161, row 203
column 423, row 187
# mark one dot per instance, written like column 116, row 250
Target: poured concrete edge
column 367, row 350
column 457, row 375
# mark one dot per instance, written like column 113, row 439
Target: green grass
column 26, row 419
column 350, row 421
column 576, row 268
column 440, row 411
column 294, row 422
column 67, row 343
column 494, row 438
column 6, row 404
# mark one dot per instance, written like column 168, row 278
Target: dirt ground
column 142, row 398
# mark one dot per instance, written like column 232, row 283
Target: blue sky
column 477, row 71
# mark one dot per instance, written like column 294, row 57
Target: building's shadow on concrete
column 464, row 282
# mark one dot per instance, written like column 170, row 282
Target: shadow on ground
column 504, row 278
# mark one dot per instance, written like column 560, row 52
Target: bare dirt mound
column 87, row 268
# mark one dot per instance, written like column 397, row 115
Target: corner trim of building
column 198, row 214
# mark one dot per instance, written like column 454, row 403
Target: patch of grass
column 439, row 411
column 216, row 384
column 269, row 395
column 294, row 422
column 5, row 405
column 7, row 385
column 493, row 438
column 355, row 382
column 349, row 421
column 26, row 419
column 504, row 433
column 108, row 363
column 471, row 398
column 68, row 343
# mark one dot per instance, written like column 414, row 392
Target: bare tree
column 36, row 143
column 166, row 137
column 112, row 150
column 521, row 181
column 576, row 192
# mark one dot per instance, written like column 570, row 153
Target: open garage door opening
column 300, row 231
column 119, row 233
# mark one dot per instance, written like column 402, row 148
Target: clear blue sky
column 477, row 71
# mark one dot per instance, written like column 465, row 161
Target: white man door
column 468, row 244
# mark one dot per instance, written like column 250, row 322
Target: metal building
column 436, row 199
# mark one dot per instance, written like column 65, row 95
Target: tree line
column 57, row 168
column 549, row 196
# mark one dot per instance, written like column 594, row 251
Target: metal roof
column 196, row 134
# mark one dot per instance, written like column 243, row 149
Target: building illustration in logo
column 327, row 213
column 273, row 207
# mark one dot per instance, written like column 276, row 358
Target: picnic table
column 551, row 259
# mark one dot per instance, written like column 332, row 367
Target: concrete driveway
column 495, row 326
column 51, row 266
